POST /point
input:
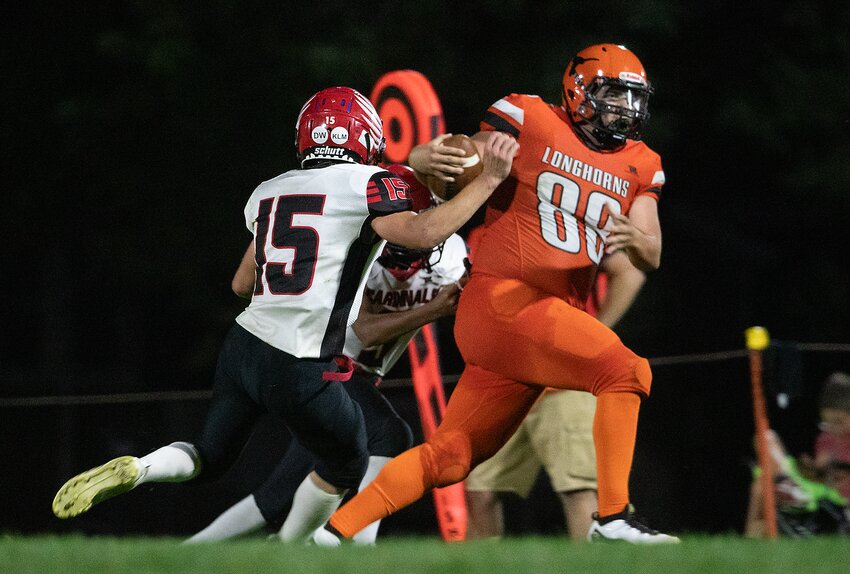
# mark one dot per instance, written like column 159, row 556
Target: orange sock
column 614, row 431
column 400, row 482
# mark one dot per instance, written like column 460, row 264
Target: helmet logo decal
column 328, row 152
column 632, row 77
column 578, row 61
column 319, row 134
column 364, row 140
column 339, row 135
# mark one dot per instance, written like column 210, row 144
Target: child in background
column 832, row 447
column 812, row 494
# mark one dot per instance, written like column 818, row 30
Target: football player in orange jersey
column 581, row 185
column 557, row 434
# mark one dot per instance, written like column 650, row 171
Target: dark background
column 134, row 132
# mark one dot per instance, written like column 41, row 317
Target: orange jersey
column 545, row 225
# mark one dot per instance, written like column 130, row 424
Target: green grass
column 696, row 555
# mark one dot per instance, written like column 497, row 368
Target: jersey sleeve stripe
column 373, row 198
column 499, row 123
column 658, row 177
column 516, row 113
column 654, row 192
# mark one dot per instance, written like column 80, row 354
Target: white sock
column 241, row 518
column 169, row 464
column 311, row 508
column 370, row 533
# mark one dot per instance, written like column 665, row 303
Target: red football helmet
column 403, row 262
column 339, row 124
column 605, row 88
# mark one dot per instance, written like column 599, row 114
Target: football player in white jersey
column 405, row 289
column 316, row 230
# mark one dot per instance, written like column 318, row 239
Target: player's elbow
column 422, row 231
column 648, row 264
column 432, row 231
column 424, row 236
column 432, row 238
column 653, row 263
column 646, row 258
column 367, row 337
column 242, row 288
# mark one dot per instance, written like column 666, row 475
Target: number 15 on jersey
column 292, row 249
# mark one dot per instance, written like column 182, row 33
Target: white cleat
column 96, row 485
column 625, row 527
column 323, row 537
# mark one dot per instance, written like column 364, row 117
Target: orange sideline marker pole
column 758, row 340
column 449, row 501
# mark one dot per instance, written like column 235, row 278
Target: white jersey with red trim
column 392, row 295
column 313, row 244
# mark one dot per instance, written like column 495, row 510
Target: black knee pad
column 344, row 473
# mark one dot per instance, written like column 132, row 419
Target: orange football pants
column 516, row 340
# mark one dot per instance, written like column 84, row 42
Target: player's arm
column 375, row 326
column 243, row 281
column 624, row 283
column 638, row 235
column 481, row 138
column 432, row 227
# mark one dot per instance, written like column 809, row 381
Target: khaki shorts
column 558, row 435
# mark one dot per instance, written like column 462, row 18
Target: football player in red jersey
column 315, row 232
column 583, row 184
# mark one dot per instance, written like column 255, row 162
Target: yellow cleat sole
column 96, row 485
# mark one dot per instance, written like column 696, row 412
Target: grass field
column 696, row 555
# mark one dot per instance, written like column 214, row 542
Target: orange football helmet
column 605, row 87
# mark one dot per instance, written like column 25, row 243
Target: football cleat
column 324, row 537
column 626, row 527
column 96, row 485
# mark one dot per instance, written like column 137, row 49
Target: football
column 471, row 168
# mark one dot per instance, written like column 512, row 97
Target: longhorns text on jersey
column 559, row 198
